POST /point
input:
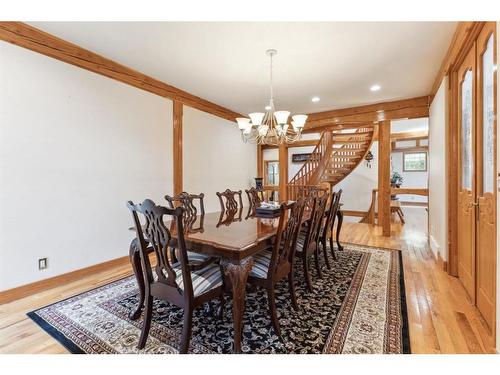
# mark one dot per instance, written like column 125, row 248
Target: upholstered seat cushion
column 261, row 264
column 203, row 280
column 193, row 257
column 197, row 257
column 301, row 239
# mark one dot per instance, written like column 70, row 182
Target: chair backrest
column 317, row 212
column 332, row 213
column 230, row 197
column 286, row 236
column 254, row 200
column 154, row 233
column 186, row 201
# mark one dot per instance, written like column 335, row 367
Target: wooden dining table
column 234, row 239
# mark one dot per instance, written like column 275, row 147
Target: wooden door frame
column 453, row 149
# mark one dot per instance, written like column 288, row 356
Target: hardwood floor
column 441, row 318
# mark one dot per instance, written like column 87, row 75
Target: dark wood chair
column 254, row 200
column 230, row 203
column 329, row 222
column 272, row 266
column 308, row 240
column 187, row 202
column 175, row 283
column 190, row 220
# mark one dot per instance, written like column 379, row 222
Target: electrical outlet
column 42, row 263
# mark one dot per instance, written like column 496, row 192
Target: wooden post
column 384, row 177
column 260, row 163
column 283, row 162
column 177, row 146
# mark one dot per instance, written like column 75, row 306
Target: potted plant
column 396, row 179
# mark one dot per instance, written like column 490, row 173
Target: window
column 414, row 161
column 272, row 173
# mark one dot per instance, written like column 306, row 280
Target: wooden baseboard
column 442, row 263
column 39, row 286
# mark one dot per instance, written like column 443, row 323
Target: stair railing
column 310, row 174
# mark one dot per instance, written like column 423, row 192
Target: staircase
column 335, row 156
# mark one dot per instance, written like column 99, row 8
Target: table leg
column 238, row 274
column 135, row 259
column 340, row 217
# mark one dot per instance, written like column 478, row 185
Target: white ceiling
column 226, row 62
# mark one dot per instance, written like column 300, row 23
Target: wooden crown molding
column 29, row 37
column 368, row 114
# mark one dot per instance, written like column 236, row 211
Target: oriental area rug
column 358, row 306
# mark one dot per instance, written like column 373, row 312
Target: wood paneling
column 29, row 37
column 53, row 282
column 348, row 117
column 283, row 179
column 177, row 147
column 384, row 177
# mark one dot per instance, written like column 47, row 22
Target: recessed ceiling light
column 315, row 99
column 267, row 108
column 375, row 88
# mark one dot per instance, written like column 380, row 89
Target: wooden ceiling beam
column 407, row 136
column 370, row 117
column 370, row 112
column 29, row 37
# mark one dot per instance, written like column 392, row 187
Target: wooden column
column 260, row 163
column 384, row 177
column 283, row 161
column 177, row 147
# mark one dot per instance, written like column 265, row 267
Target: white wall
column 293, row 168
column 74, row 147
column 437, row 172
column 410, row 179
column 215, row 158
column 358, row 185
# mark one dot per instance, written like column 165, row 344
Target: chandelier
column 271, row 128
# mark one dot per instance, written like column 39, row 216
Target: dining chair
column 308, row 239
column 327, row 229
column 186, row 201
column 230, row 203
column 270, row 267
column 254, row 201
column 175, row 283
column 190, row 217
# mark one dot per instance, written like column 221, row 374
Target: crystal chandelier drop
column 271, row 128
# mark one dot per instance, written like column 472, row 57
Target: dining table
column 234, row 239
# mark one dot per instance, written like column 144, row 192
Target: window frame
column 414, row 152
column 266, row 174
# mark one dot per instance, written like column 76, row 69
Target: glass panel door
column 488, row 113
column 466, row 131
